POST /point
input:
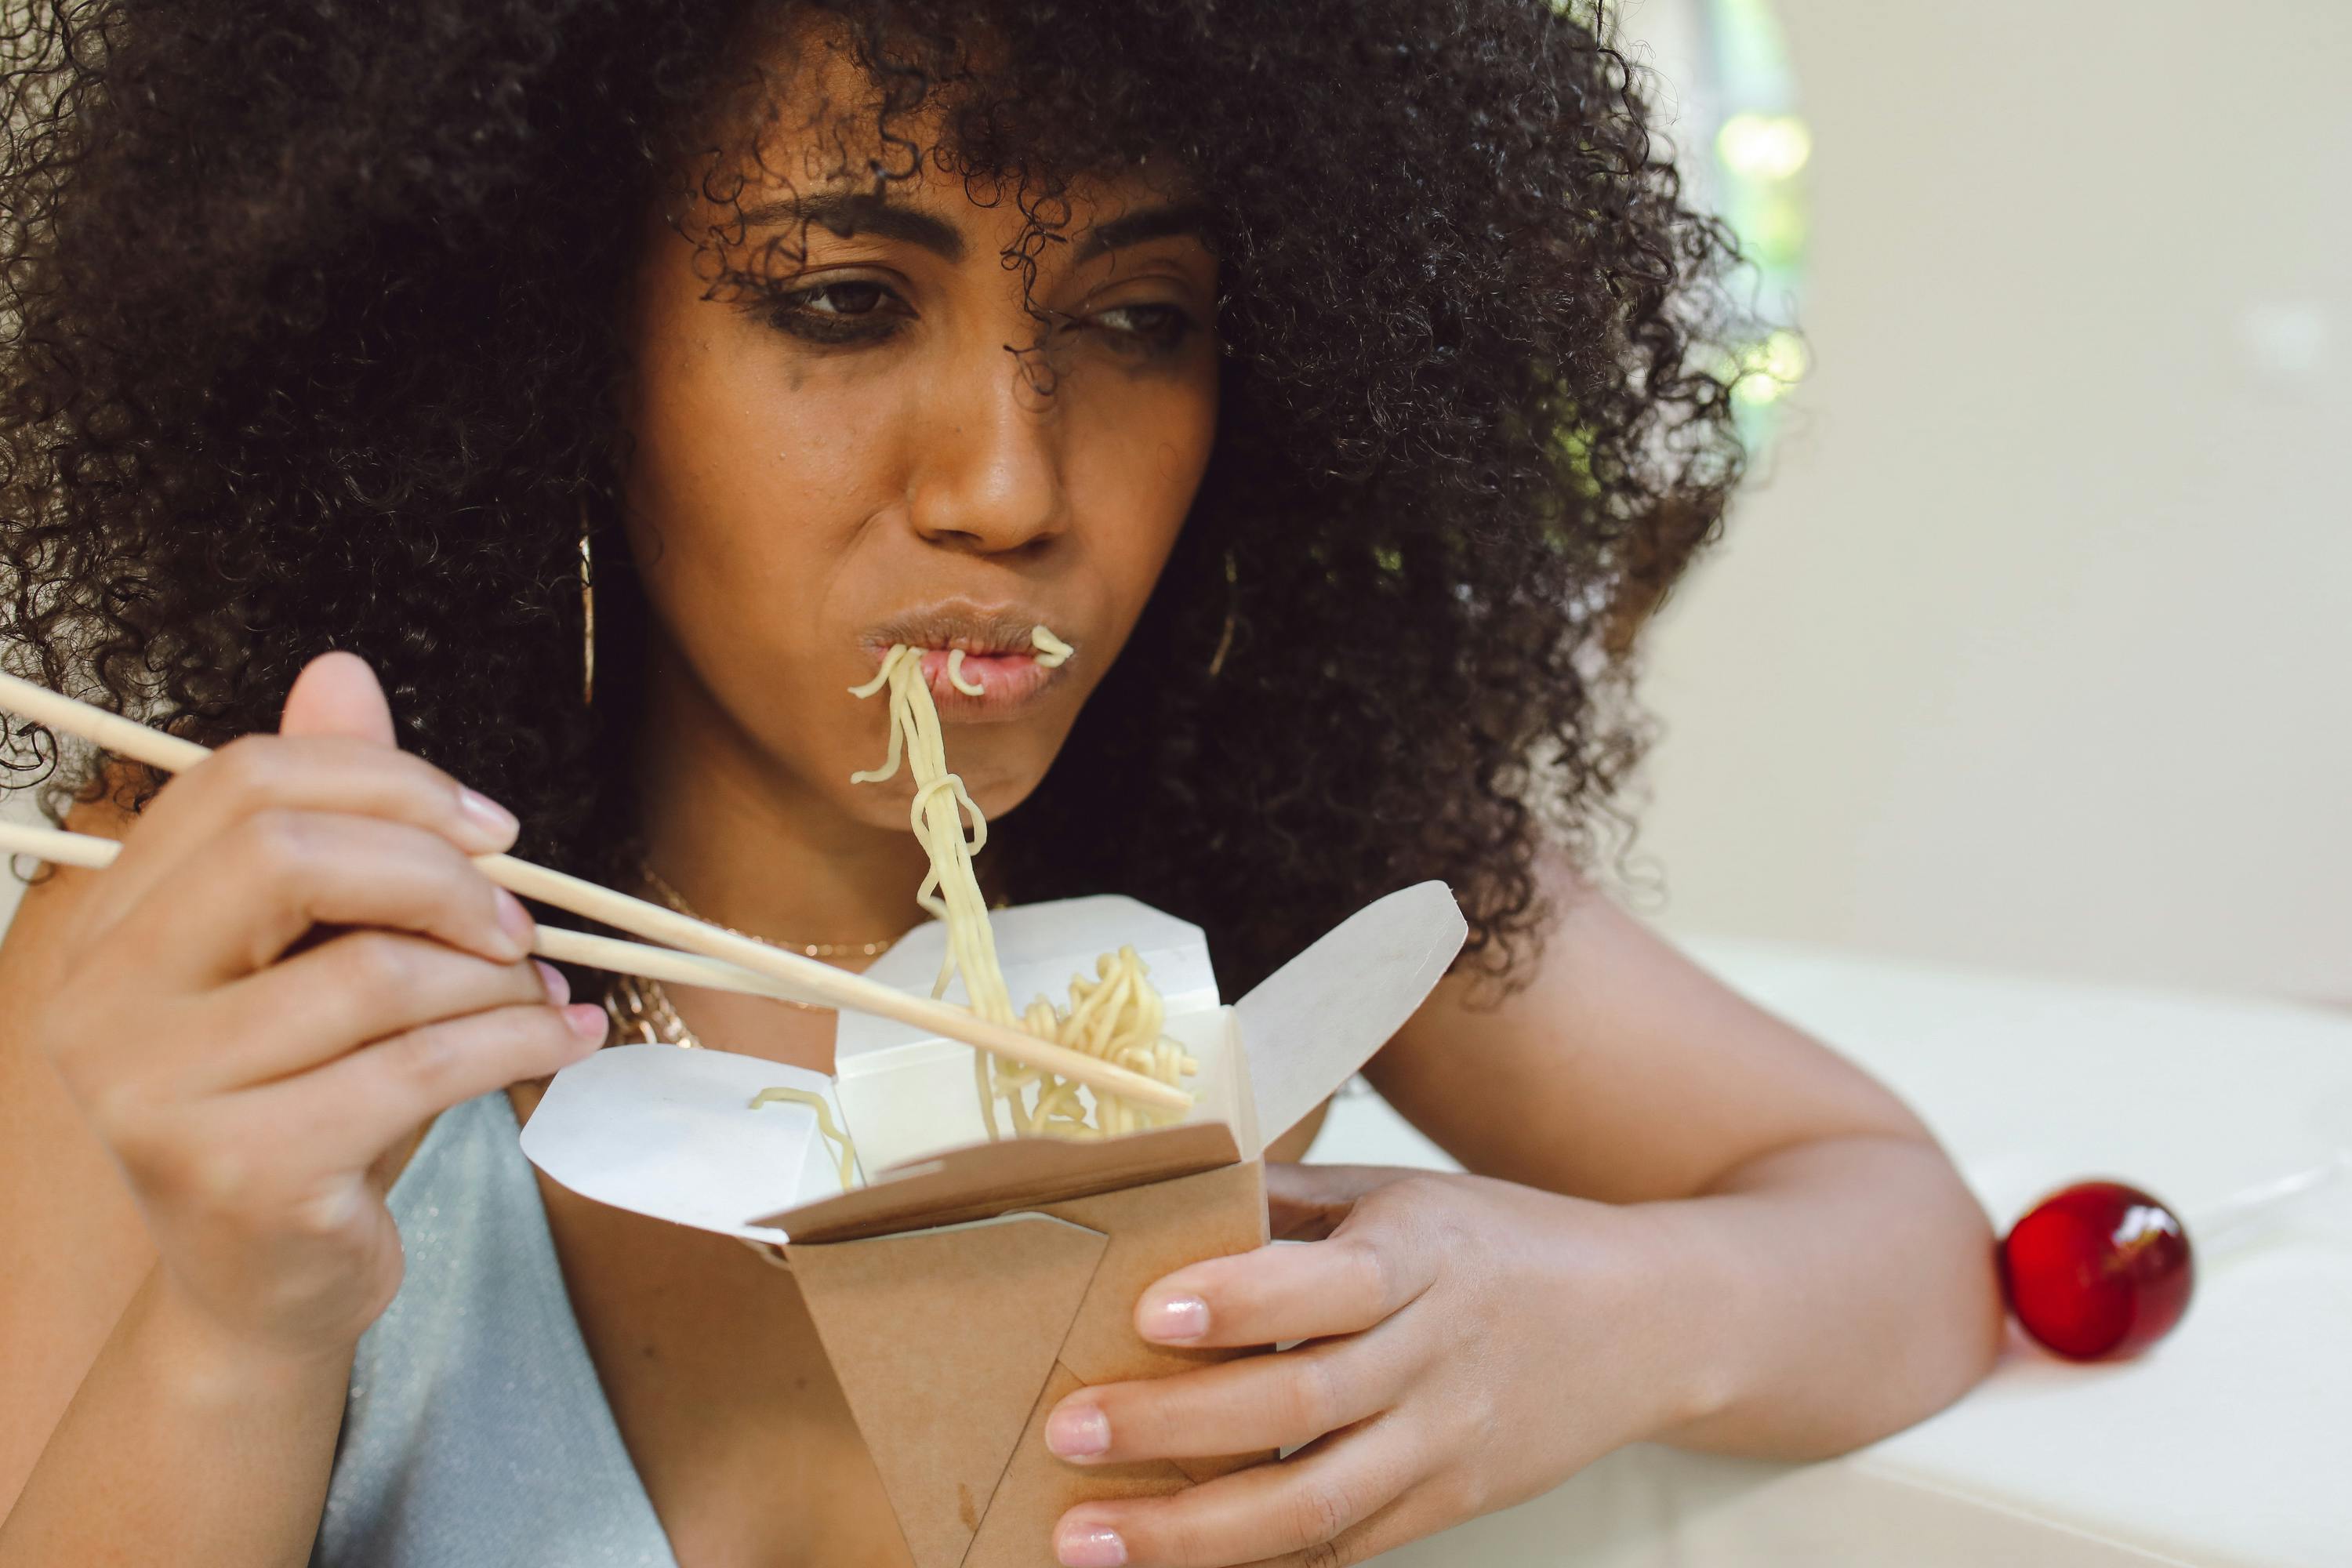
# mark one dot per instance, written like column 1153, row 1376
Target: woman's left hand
column 1469, row 1343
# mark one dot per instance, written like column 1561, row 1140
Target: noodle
column 833, row 1135
column 1051, row 650
column 1116, row 1016
column 955, row 675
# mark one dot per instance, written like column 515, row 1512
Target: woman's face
column 885, row 446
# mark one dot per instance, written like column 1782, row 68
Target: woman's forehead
column 819, row 140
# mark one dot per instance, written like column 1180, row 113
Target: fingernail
column 514, row 919
column 1090, row 1546
column 587, row 1020
column 559, row 990
column 1176, row 1319
column 1078, row 1432
column 496, row 823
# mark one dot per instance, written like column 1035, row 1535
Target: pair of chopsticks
column 697, row 953
column 87, row 849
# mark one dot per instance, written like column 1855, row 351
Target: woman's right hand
column 291, row 965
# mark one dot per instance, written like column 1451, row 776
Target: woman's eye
column 837, row 313
column 1155, row 328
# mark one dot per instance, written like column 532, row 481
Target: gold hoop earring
column 1233, row 607
column 587, row 614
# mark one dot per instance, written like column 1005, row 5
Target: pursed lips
column 999, row 657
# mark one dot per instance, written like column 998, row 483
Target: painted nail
column 559, row 990
column 496, row 824
column 1078, row 1432
column 1088, row 1546
column 1176, row 1319
column 587, row 1021
column 514, row 919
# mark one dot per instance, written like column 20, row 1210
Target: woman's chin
column 886, row 805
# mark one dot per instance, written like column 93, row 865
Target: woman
column 1334, row 379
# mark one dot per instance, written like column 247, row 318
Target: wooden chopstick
column 90, row 850
column 808, row 980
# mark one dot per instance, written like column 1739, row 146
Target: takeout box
column 963, row 1288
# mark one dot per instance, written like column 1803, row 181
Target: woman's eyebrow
column 848, row 213
column 1166, row 221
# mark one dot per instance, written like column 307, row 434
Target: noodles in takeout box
column 962, row 1286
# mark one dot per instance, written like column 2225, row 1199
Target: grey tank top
column 476, row 1435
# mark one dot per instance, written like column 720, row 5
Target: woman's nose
column 988, row 471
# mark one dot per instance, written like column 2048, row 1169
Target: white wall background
column 2035, row 646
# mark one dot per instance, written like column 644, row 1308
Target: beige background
column 2032, row 647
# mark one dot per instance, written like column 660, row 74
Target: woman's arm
column 143, row 1422
column 1707, row 1229
column 1850, row 1270
column 68, row 1228
column 183, row 1445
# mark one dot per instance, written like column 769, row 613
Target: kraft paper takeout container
column 963, row 1288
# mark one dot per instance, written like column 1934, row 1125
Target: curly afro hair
column 311, row 339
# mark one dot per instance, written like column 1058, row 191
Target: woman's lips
column 1007, row 681
column 1000, row 657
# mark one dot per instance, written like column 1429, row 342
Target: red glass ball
column 2097, row 1269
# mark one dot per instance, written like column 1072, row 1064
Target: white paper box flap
column 1316, row 1020
column 671, row 1133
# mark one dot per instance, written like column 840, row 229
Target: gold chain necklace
column 641, row 1010
column 676, row 900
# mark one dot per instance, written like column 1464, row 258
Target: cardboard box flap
column 1316, row 1020
column 1155, row 1230
column 933, row 1385
column 1017, row 1531
column 988, row 1179
column 1039, row 947
column 671, row 1133
column 942, row 1341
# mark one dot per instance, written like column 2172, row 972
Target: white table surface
column 2229, row 1443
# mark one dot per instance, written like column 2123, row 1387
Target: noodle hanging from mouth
column 1051, row 650
column 955, row 675
column 1116, row 1016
